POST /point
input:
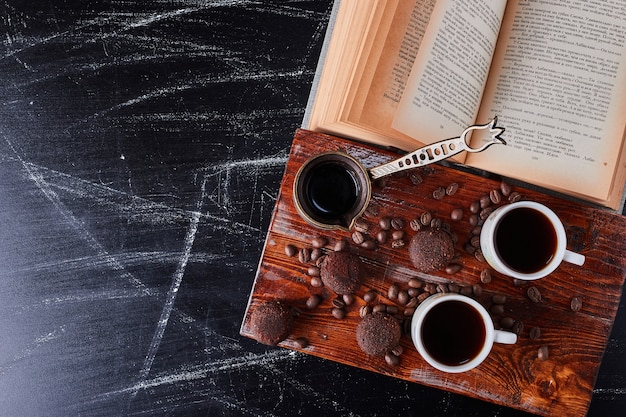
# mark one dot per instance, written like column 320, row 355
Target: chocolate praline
column 342, row 272
column 431, row 249
column 271, row 322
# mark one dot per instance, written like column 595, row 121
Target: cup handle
column 507, row 338
column 574, row 258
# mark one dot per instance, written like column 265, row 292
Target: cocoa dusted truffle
column 271, row 322
column 342, row 272
column 378, row 333
column 431, row 249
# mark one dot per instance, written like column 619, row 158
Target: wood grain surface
column 513, row 376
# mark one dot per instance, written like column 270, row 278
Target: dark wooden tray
column 513, row 376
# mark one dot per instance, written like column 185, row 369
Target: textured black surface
column 141, row 148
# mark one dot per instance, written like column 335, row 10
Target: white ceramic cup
column 491, row 238
column 463, row 332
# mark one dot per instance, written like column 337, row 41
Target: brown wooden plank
column 512, row 375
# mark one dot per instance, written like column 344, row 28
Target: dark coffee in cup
column 453, row 333
column 525, row 240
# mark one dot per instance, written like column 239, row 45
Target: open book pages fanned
column 403, row 74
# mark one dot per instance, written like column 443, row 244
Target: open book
column 404, row 73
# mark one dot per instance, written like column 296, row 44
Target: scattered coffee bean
column 452, row 188
column 304, row 255
column 439, row 193
column 485, row 276
column 430, row 288
column 456, row 214
column 534, row 294
column 467, row 290
column 348, row 299
column 313, row 301
column 319, row 261
column 495, row 196
column 408, row 312
column 497, row 309
column 514, row 197
column 479, row 255
column 291, row 250
column 365, row 310
column 391, row 359
column 543, row 353
column 362, row 226
column 392, row 292
column 301, row 343
column 316, row 282
column 412, row 302
column 469, row 248
column 415, row 283
column 369, row 244
column 454, row 287
column 313, row 271
column 413, row 292
column 391, row 309
column 397, row 234
column 498, row 299
column 403, row 297
column 425, row 218
column 358, row 237
column 507, row 322
column 474, row 220
column 423, row 296
column 397, row 223
column 484, row 201
column 436, row 223
column 442, row 288
column 453, row 268
column 379, row 308
column 474, row 207
column 475, row 241
column 338, row 302
column 398, row 243
column 338, row 313
column 415, row 225
column 382, row 236
column 415, row 178
column 319, row 242
column 369, row 296
column 576, row 304
column 518, row 327
column 484, row 213
column 340, row 245
column 535, row 333
column 505, row 188
column 385, row 223
column 476, row 230
column 477, row 290
column 398, row 350
column 315, row 254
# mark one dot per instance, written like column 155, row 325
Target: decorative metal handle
column 439, row 151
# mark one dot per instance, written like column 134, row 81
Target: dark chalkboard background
column 141, row 148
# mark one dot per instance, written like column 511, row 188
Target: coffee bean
column 485, row 276
column 369, row 296
column 397, row 223
column 391, row 359
column 474, row 207
column 403, row 297
column 469, row 248
column 439, row 193
column 518, row 327
column 379, row 308
column 453, row 268
column 313, row 301
column 408, row 312
column 543, row 353
column 435, row 223
column 425, row 218
column 390, row 309
column 365, row 310
column 495, row 196
column 514, row 197
column 415, row 178
column 497, row 309
column 415, row 283
column 338, row 303
column 475, row 241
column 576, row 304
column 382, row 236
column 340, row 245
column 474, row 220
column 498, row 299
column 430, row 288
column 477, row 290
column 413, row 292
column 291, row 250
column 348, row 299
column 398, row 350
column 535, row 333
column 415, row 225
column 338, row 313
column 454, row 287
column 456, row 214
column 452, row 188
column 484, row 213
column 412, row 302
column 534, row 294
column 319, row 242
column 442, row 288
column 316, row 282
column 357, row 237
column 385, row 223
column 319, row 261
column 484, row 201
column 505, row 188
column 392, row 292
column 479, row 255
column 369, row 244
column 476, row 230
column 313, row 271
column 315, row 254
column 398, row 243
column 519, row 282
column 423, row 296
column 397, row 234
column 304, row 255
column 507, row 322
column 301, row 343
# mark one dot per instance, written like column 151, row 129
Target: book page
column 447, row 80
column 559, row 90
